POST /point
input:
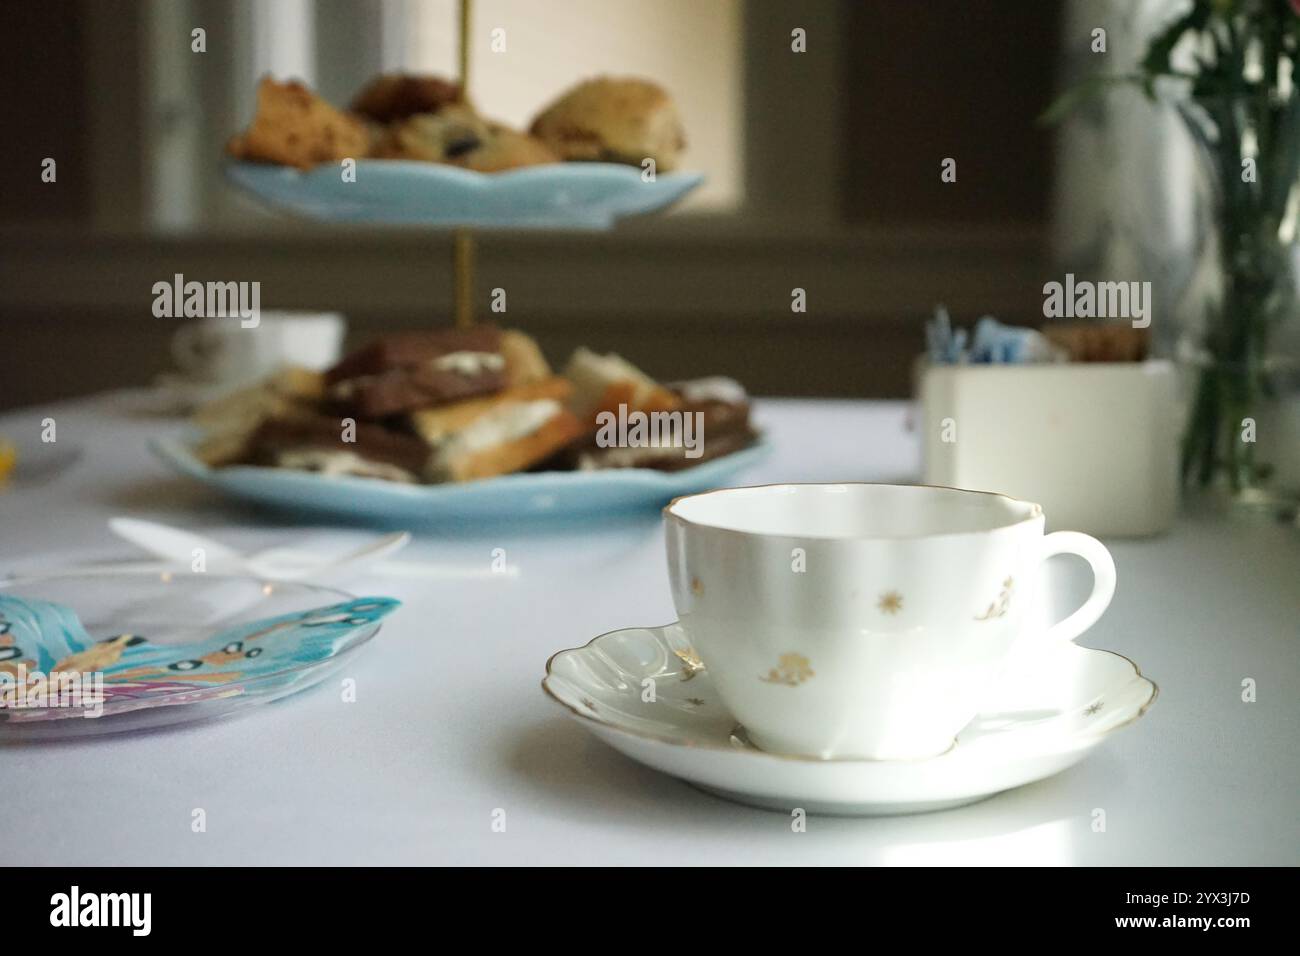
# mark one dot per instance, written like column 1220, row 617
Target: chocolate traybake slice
column 319, row 444
column 405, row 349
column 720, row 426
column 412, row 370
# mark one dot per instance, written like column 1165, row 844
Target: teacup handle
column 187, row 349
column 1103, row 581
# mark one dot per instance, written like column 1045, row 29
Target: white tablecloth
column 450, row 725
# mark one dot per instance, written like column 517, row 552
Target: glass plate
column 201, row 655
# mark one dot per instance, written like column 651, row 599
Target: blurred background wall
column 824, row 167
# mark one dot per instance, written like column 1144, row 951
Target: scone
column 395, row 96
column 460, row 137
column 616, row 120
column 508, row 148
column 295, row 127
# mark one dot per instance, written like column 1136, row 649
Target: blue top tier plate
column 412, row 193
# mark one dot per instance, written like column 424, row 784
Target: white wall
column 692, row 48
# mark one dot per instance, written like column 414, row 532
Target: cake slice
column 402, row 373
column 320, row 443
column 498, row 434
column 230, row 420
column 525, row 363
column 439, row 424
column 603, row 382
column 719, row 425
column 512, row 438
column 409, row 349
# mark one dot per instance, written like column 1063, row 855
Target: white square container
column 1096, row 444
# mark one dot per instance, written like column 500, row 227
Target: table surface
column 449, row 724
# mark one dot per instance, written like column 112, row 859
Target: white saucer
column 1046, row 716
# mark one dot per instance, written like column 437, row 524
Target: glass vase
column 1241, row 377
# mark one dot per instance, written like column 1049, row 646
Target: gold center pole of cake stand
column 462, row 262
column 462, row 248
column 466, row 11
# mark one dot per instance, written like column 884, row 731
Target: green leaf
column 1162, row 46
column 1284, row 162
column 1081, row 92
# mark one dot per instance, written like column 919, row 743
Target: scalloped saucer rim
column 1000, row 750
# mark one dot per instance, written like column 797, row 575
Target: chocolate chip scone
column 616, row 120
column 295, row 127
column 459, row 136
column 396, row 96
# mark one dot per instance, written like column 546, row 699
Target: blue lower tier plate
column 406, row 192
column 569, row 494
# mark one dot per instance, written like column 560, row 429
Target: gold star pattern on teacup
column 999, row 607
column 1092, row 709
column 697, row 586
column 891, row 602
column 791, row 670
column 691, row 663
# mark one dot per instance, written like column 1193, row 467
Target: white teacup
column 221, row 350
column 859, row 620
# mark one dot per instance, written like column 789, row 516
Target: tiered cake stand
column 398, row 192
column 395, row 192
